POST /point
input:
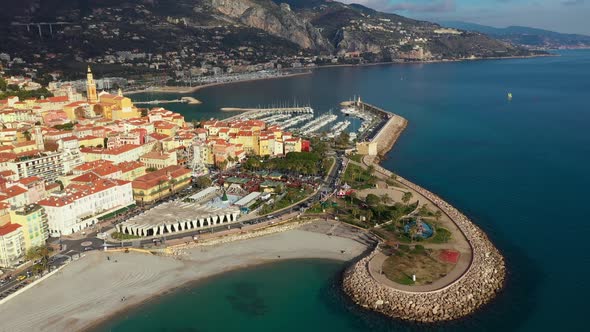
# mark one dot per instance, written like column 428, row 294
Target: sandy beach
column 91, row 289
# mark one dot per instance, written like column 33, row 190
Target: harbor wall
column 480, row 283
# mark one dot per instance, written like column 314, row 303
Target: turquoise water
column 519, row 169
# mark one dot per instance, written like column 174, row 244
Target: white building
column 12, row 244
column 80, row 204
column 47, row 166
column 71, row 156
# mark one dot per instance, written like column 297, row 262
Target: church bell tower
column 91, row 87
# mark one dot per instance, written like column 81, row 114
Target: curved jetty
column 479, row 284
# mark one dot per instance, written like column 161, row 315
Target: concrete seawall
column 477, row 286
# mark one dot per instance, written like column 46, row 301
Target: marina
column 296, row 120
column 316, row 124
column 339, row 128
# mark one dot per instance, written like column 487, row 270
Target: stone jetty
column 477, row 286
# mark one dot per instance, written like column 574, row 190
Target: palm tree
column 385, row 198
column 355, row 211
column 369, row 215
column 407, row 197
column 370, row 169
column 352, row 196
column 437, row 215
column 40, row 255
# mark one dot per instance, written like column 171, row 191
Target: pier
column 185, row 100
column 257, row 113
column 457, row 296
column 270, row 110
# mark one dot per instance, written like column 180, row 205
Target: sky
column 569, row 16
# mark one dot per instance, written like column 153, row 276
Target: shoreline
column 65, row 302
column 309, row 70
column 189, row 90
column 195, row 283
column 479, row 284
column 416, row 62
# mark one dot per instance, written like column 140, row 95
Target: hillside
column 525, row 36
column 226, row 33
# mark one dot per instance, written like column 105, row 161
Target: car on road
column 21, row 277
column 88, row 248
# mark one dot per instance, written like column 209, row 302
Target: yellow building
column 165, row 128
column 90, row 87
column 158, row 160
column 248, row 140
column 367, row 148
column 33, row 221
column 90, row 141
column 117, row 107
column 23, row 147
column 292, row 145
column 155, row 185
column 131, row 170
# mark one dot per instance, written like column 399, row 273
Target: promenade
column 474, row 283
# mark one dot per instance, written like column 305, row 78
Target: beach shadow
column 245, row 298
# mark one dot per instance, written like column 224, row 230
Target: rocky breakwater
column 477, row 286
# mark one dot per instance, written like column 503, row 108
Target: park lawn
column 401, row 265
column 358, row 177
column 441, row 235
column 356, row 157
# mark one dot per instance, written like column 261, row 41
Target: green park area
column 285, row 198
column 358, row 177
column 406, row 262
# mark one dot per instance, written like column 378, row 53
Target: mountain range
column 525, row 36
column 266, row 28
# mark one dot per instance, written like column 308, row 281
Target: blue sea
column 520, row 169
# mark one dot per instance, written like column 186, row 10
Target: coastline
column 309, row 70
column 188, row 90
column 65, row 302
column 415, row 62
column 476, row 286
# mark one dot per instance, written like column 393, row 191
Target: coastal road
column 72, row 247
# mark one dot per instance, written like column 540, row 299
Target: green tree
column 353, row 195
column 40, row 257
column 203, row 181
column 355, row 211
column 385, row 199
column 368, row 215
column 372, row 200
column 27, row 135
column 2, row 84
column 437, row 215
column 424, row 211
column 407, row 196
